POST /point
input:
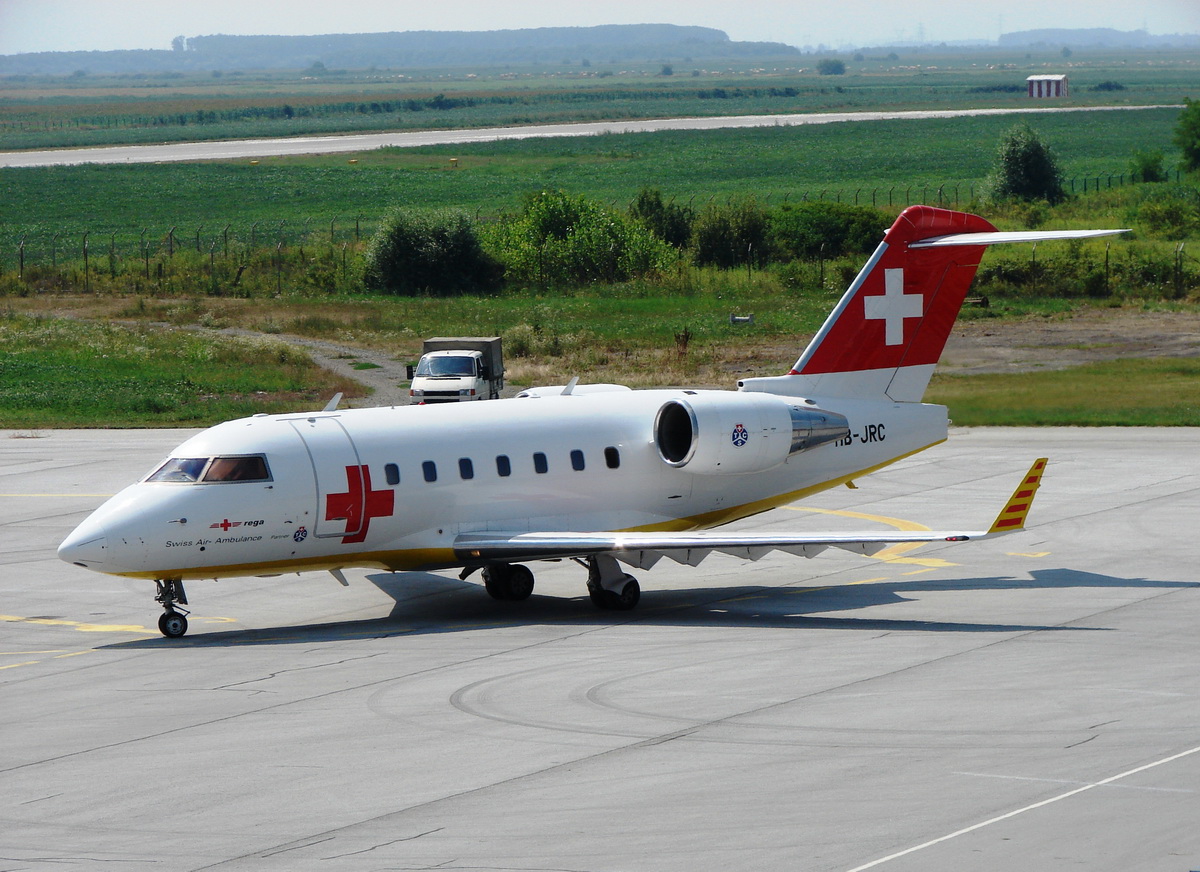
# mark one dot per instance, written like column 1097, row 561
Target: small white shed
column 1047, row 86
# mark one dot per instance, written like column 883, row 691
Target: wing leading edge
column 643, row 550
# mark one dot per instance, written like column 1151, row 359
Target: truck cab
column 458, row 369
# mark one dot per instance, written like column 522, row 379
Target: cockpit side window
column 186, row 469
column 253, row 468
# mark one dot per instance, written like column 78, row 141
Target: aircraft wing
column 645, row 549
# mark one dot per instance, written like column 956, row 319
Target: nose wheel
column 173, row 622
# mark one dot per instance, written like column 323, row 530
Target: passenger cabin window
column 392, row 473
column 577, row 460
column 503, row 466
column 430, row 470
column 540, row 465
column 612, row 457
column 466, row 468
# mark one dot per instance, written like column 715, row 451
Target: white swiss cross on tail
column 894, row 306
column 914, row 283
column 885, row 336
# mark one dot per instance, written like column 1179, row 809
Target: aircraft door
column 339, row 473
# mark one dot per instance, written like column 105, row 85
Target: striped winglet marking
column 1012, row 517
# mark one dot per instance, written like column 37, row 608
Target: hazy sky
column 70, row 25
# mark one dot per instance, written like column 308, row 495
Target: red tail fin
column 892, row 324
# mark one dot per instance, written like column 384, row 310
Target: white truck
column 455, row 369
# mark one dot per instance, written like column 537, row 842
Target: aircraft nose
column 86, row 548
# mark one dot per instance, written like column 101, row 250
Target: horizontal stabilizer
column 1000, row 238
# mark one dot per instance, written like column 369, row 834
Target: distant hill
column 1098, row 37
column 608, row 44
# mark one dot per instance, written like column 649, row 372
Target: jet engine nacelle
column 734, row 433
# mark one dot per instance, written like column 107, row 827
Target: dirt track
column 974, row 347
column 1084, row 337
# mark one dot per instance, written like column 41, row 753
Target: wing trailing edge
column 643, row 550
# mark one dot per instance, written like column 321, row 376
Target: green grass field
column 1134, row 393
column 60, row 373
column 892, row 161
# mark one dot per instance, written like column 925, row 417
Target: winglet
column 1012, row 516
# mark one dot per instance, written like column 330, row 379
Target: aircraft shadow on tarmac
column 426, row 604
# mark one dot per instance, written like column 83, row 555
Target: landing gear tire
column 608, row 587
column 172, row 624
column 625, row 600
column 508, row 582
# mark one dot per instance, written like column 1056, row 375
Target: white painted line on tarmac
column 1019, row 811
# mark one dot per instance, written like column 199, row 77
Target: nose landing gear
column 173, row 622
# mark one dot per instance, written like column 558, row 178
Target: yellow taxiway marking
column 1028, row 553
column 78, row 625
column 891, row 554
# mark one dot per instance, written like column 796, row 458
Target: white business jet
column 597, row 473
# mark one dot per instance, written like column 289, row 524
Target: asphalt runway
column 237, row 149
column 1023, row 703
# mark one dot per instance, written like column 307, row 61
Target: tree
column 831, row 67
column 1187, row 134
column 419, row 253
column 1026, row 169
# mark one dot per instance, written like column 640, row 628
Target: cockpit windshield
column 446, row 366
column 213, row 469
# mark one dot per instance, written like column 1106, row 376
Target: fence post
column 171, row 242
column 21, row 259
column 198, row 229
column 225, row 234
column 1107, row 248
column 54, row 250
column 279, row 267
column 112, row 255
column 87, row 279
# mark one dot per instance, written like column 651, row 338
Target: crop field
column 92, row 110
column 885, row 163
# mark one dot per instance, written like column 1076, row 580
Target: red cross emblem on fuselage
column 359, row 504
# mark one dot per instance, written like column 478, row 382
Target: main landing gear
column 173, row 622
column 608, row 586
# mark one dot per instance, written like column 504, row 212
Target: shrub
column 800, row 231
column 669, row 222
column 573, row 240
column 732, row 234
column 831, row 67
column 439, row 254
column 1147, row 166
column 1026, row 169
